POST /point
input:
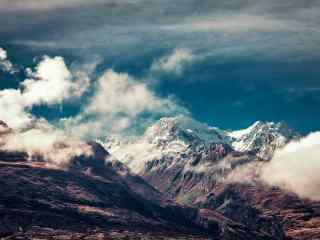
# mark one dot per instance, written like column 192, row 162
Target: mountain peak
column 182, row 138
column 185, row 129
column 263, row 138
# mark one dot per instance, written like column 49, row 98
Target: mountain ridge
column 209, row 173
column 187, row 187
column 94, row 196
column 172, row 136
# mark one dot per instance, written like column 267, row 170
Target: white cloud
column 117, row 102
column 119, row 93
column 296, row 167
column 3, row 54
column 13, row 108
column 5, row 64
column 173, row 63
column 42, row 140
column 50, row 83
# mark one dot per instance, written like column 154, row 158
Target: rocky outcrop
column 266, row 208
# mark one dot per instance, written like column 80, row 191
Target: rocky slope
column 96, row 197
column 195, row 192
column 267, row 208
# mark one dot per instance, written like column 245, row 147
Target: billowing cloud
column 117, row 102
column 120, row 93
column 296, row 167
column 13, row 108
column 50, row 83
column 174, row 62
column 5, row 64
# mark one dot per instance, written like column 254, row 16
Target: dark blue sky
column 251, row 60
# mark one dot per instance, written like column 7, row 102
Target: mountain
column 169, row 137
column 214, row 169
column 180, row 180
column 263, row 138
column 94, row 196
column 184, row 158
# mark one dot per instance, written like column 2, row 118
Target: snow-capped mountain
column 186, row 159
column 169, row 138
column 263, row 138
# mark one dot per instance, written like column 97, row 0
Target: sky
column 101, row 66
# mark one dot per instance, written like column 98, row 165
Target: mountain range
column 186, row 159
column 181, row 179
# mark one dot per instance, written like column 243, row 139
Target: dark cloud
column 236, row 44
column 47, row 5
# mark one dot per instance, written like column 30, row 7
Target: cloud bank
column 296, row 167
column 41, row 140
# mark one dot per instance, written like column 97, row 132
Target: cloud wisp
column 238, row 23
column 174, row 62
column 46, row 5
